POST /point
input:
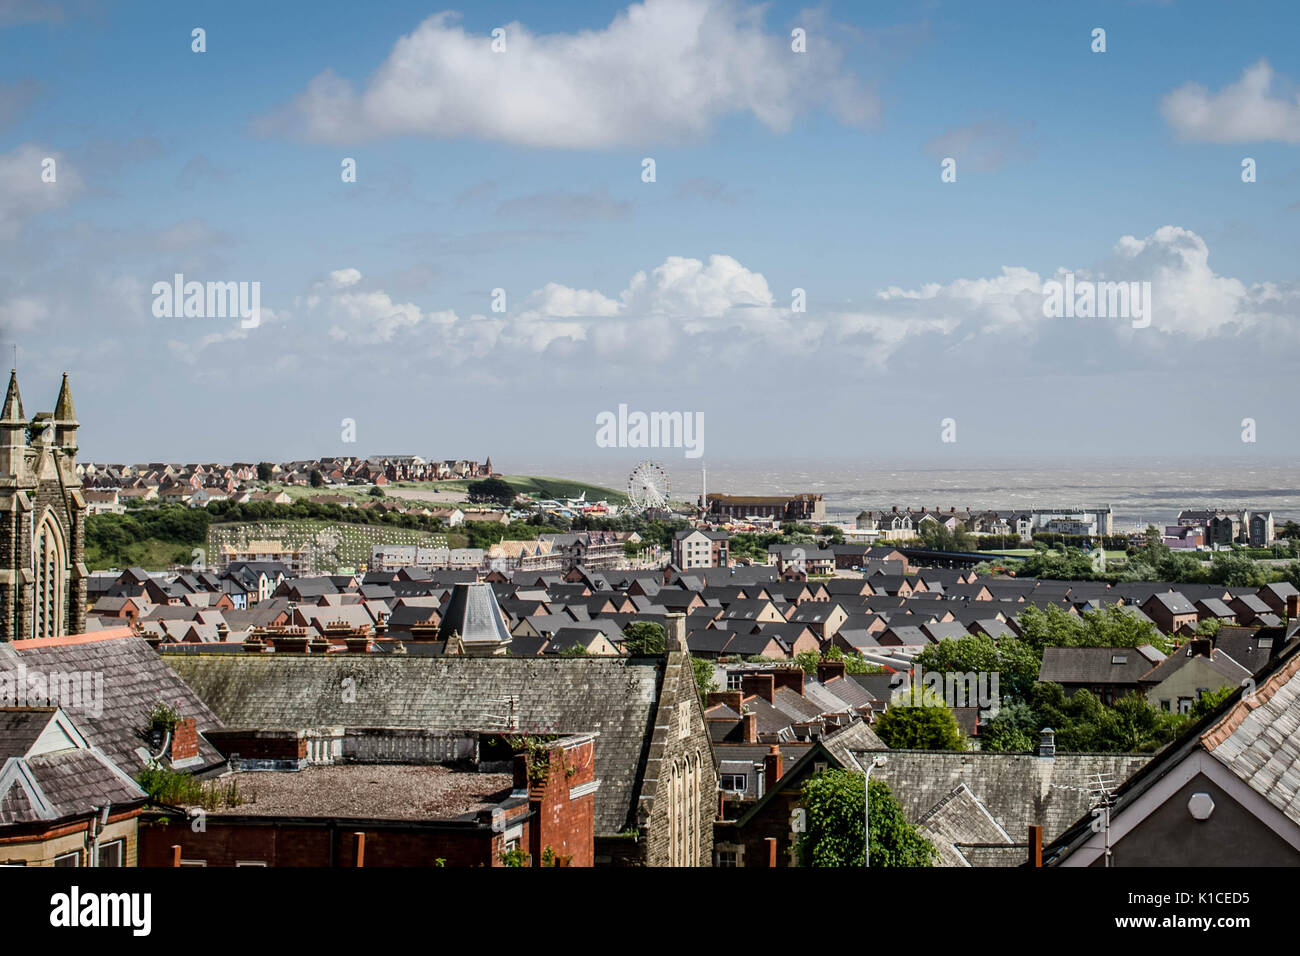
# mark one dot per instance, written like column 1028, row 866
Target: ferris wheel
column 647, row 487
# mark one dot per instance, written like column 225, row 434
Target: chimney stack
column 758, row 685
column 829, row 670
column 185, row 740
column 1047, row 743
column 749, row 728
column 1293, row 606
column 732, row 698
column 772, row 766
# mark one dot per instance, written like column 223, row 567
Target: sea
column 1139, row 491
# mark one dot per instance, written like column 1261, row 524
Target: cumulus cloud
column 1243, row 112
column 701, row 315
column 662, row 71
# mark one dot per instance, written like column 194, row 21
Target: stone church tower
column 42, row 521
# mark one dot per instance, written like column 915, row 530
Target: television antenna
column 510, row 719
column 1100, row 788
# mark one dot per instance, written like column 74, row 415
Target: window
column 50, row 565
column 1119, row 659
column 194, row 862
column 69, row 859
column 728, row 855
column 111, row 854
column 735, row 782
column 250, row 863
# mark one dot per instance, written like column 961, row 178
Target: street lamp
column 878, row 761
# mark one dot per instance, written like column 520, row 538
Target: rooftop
column 356, row 791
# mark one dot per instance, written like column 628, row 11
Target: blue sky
column 521, row 170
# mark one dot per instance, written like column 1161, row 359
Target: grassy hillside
column 543, row 487
column 535, row 485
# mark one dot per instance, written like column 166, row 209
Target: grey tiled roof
column 960, row 818
column 1017, row 789
column 63, row 784
column 133, row 680
column 609, row 696
column 473, row 613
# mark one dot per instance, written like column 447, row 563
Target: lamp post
column 879, row 761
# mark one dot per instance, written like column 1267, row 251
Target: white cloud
column 716, row 313
column 1244, row 112
column 663, row 70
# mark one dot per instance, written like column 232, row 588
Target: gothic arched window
column 51, row 561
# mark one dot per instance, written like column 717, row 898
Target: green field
column 152, row 554
column 535, row 485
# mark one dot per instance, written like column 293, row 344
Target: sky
column 922, row 172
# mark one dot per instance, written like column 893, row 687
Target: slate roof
column 134, row 679
column 957, row 819
column 1095, row 665
column 610, row 696
column 1017, row 789
column 473, row 613
column 67, row 783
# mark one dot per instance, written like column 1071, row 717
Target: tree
column 317, row 479
column 490, row 490
column 834, row 809
column 1015, row 729
column 376, row 492
column 264, row 470
column 644, row 639
column 906, row 725
column 1235, row 570
column 704, row 681
column 1109, row 626
column 808, row 660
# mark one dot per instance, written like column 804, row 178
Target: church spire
column 63, row 410
column 13, row 409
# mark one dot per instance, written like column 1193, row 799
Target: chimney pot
column 1047, row 743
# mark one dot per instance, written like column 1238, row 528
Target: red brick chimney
column 772, row 766
column 1293, row 606
column 829, row 670
column 758, row 685
column 185, row 740
column 791, row 677
column 749, row 728
column 732, row 698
